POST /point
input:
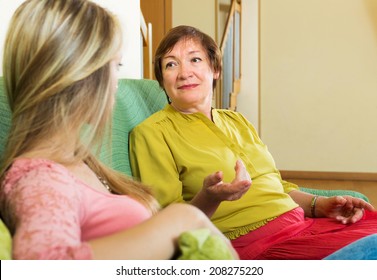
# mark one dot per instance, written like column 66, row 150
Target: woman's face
column 188, row 76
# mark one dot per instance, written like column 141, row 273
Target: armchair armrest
column 334, row 192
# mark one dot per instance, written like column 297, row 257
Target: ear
column 216, row 75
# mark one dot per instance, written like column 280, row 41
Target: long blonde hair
column 57, row 78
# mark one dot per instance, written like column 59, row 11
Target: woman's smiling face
column 188, row 77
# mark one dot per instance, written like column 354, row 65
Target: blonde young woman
column 60, row 64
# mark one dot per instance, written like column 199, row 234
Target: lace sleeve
column 46, row 205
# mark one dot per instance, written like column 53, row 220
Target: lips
column 190, row 86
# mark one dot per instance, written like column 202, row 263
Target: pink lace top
column 57, row 213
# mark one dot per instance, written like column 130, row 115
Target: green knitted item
column 200, row 244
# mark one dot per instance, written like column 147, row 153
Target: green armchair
column 136, row 99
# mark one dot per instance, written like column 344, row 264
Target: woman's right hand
column 214, row 186
column 215, row 191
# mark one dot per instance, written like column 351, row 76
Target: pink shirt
column 56, row 213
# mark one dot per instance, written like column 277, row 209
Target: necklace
column 105, row 183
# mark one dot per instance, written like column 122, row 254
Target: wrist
column 313, row 204
column 205, row 202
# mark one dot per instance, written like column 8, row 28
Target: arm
column 304, row 200
column 153, row 164
column 45, row 207
column 161, row 233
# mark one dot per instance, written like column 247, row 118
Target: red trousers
column 291, row 236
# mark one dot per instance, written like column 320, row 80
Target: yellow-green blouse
column 173, row 152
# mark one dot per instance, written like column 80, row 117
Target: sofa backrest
column 136, row 100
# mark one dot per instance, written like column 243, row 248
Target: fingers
column 229, row 191
column 353, row 217
column 360, row 203
column 235, row 192
column 213, row 179
column 241, row 172
column 213, row 184
column 347, row 209
column 349, row 203
column 358, row 214
column 369, row 207
column 239, row 188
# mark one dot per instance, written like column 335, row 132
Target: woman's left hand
column 346, row 209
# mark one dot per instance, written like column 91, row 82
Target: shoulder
column 237, row 119
column 227, row 113
column 154, row 121
column 26, row 165
column 230, row 115
column 31, row 183
column 36, row 172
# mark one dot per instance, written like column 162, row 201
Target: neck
column 204, row 109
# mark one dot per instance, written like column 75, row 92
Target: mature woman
column 59, row 202
column 189, row 140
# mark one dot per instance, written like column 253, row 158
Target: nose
column 185, row 71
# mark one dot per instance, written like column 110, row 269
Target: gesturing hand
column 217, row 190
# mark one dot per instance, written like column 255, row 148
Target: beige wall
column 318, row 84
column 198, row 13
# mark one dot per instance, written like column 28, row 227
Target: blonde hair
column 57, row 78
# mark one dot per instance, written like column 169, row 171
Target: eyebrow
column 172, row 56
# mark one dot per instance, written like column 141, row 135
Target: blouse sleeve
column 46, row 205
column 153, row 164
column 288, row 186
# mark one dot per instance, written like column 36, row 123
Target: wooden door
column 159, row 14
